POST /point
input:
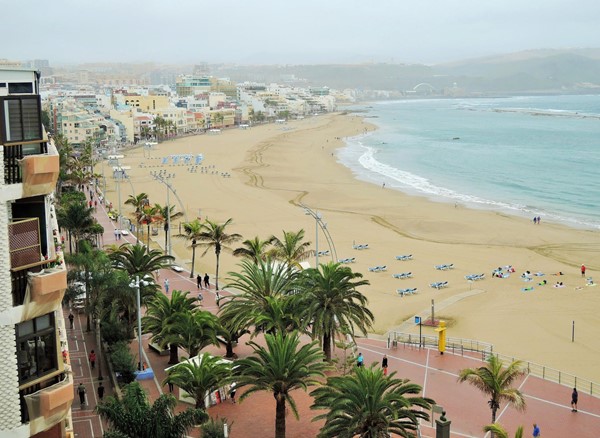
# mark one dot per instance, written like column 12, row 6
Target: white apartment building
column 35, row 372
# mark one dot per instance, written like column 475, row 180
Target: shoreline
column 274, row 168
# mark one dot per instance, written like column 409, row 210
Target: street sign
column 417, row 320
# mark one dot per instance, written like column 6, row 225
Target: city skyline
column 274, row 32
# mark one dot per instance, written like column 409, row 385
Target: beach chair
column 401, row 292
column 361, row 246
column 435, row 285
column 404, row 257
column 440, row 267
column 382, row 268
column 413, row 291
column 323, row 253
column 373, row 269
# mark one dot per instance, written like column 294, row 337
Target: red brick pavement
column 548, row 404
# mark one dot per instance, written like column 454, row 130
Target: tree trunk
column 193, row 261
column 217, row 274
column 200, row 400
column 327, row 346
column 173, row 357
column 98, row 343
column 229, row 349
column 280, row 417
column 148, row 247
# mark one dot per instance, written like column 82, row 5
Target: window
column 36, row 348
column 20, row 118
column 20, row 88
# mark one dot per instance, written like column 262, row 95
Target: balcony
column 14, row 153
column 49, row 406
column 40, row 174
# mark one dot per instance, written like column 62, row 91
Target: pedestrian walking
column 232, row 393
column 92, row 357
column 71, row 319
column 536, row 431
column 166, row 283
column 171, row 386
column 116, row 234
column 199, row 281
column 384, row 364
column 360, row 360
column 583, row 270
column 81, row 392
column 100, row 391
column 206, row 281
column 574, row 398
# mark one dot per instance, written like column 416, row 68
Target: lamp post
column 136, row 284
column 323, row 225
column 164, row 179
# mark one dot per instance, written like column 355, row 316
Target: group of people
column 536, row 220
column 206, row 281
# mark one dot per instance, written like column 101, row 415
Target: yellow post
column 441, row 337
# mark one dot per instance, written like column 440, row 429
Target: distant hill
column 534, row 71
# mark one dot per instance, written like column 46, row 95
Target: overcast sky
column 290, row 31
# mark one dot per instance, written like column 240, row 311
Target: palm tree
column 200, row 375
column 77, row 218
column 280, row 367
column 214, row 235
column 133, row 416
column 256, row 283
column 136, row 261
column 291, row 250
column 138, row 202
column 333, row 305
column 148, row 216
column 161, row 316
column 191, row 232
column 499, row 432
column 167, row 214
column 253, row 249
column 370, row 404
column 495, row 381
column 193, row 330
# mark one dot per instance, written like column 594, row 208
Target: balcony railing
column 20, row 278
column 12, row 156
column 47, row 406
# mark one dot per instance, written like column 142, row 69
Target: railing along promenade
column 475, row 348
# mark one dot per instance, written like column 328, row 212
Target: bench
column 157, row 349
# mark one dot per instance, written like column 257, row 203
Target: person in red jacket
column 583, row 270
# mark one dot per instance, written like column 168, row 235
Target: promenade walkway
column 548, row 404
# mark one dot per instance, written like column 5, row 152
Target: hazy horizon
column 275, row 32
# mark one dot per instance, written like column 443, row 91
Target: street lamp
column 323, row 225
column 136, row 284
column 164, row 180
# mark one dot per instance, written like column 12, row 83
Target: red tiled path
column 548, row 404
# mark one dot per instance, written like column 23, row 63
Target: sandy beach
column 276, row 167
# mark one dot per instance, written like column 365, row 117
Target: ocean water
column 528, row 156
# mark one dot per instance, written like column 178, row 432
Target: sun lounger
column 444, row 267
column 380, row 268
column 324, row 253
column 404, row 257
column 407, row 291
column 474, row 277
column 439, row 284
column 402, row 275
column 348, row 260
column 361, row 246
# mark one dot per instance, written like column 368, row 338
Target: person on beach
column 206, row 281
column 93, row 359
column 536, row 431
column 166, row 283
column 81, row 393
column 574, row 398
column 199, row 281
column 583, row 270
column 360, row 360
column 384, row 364
column 71, row 319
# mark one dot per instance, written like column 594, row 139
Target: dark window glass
column 20, row 119
column 36, row 348
column 20, row 88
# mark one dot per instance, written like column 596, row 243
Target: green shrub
column 123, row 363
column 213, row 428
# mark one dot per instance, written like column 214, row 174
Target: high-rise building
column 36, row 386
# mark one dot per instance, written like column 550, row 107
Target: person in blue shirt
column 536, row 431
column 359, row 360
